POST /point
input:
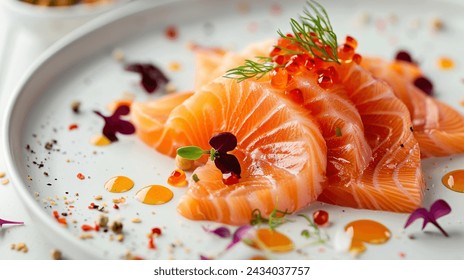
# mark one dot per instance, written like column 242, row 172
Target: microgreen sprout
column 314, row 232
column 276, row 218
column 222, row 144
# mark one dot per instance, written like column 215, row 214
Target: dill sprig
column 314, row 24
column 314, row 232
column 313, row 33
column 252, row 69
column 276, row 218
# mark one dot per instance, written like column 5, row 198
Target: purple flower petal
column 223, row 142
column 5, row 222
column 439, row 209
column 222, row 232
column 417, row 214
column 404, row 56
column 239, row 234
column 204, row 258
column 228, row 164
column 424, row 84
column 151, row 76
column 114, row 124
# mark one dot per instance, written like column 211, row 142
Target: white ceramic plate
column 81, row 67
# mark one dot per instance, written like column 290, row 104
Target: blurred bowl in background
column 52, row 22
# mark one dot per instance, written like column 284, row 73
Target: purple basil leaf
column 404, row 56
column 5, row 222
column 223, row 142
column 424, row 84
column 222, row 232
column 125, row 127
column 121, row 111
column 439, row 209
column 239, row 234
column 114, row 124
column 204, row 258
column 228, row 164
column 151, row 76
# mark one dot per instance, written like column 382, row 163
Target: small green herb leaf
column 191, row 152
column 338, row 132
column 305, row 233
column 195, row 178
column 276, row 218
column 251, row 69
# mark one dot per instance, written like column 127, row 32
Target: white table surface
column 19, row 48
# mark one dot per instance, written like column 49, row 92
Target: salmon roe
column 177, row 178
column 230, row 180
column 321, row 217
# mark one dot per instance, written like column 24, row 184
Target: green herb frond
column 276, row 218
column 251, row 69
column 314, row 24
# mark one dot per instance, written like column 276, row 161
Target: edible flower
column 114, row 123
column 438, row 209
column 5, row 222
column 151, row 76
column 222, row 143
column 222, row 232
column 240, row 233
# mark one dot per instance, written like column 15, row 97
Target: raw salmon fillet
column 280, row 149
column 375, row 164
column 438, row 127
column 393, row 180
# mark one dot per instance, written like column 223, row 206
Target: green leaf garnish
column 315, row 24
column 313, row 33
column 314, row 232
column 338, row 132
column 191, row 152
column 252, row 69
column 276, row 218
column 195, row 178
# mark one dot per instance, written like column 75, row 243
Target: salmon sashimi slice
column 280, row 149
column 438, row 127
column 347, row 154
column 393, row 181
column 211, row 63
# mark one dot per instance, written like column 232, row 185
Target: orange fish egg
column 154, row 195
column 177, row 178
column 119, row 184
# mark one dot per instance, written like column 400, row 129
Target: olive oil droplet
column 154, row 195
column 454, row 180
column 119, row 184
column 367, row 231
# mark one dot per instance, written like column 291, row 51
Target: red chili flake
column 73, row 126
column 151, row 243
column 171, row 32
column 80, row 176
column 156, row 230
column 87, row 227
column 92, row 206
column 62, row 220
column 115, row 206
column 56, row 214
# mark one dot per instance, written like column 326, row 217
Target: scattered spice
column 75, row 106
column 98, row 197
column 437, row 24
column 103, row 221
column 195, row 178
column 2, row 174
column 56, row 254
column 174, row 66
column 73, row 126
column 117, row 227
column 136, row 220
column 20, row 247
column 80, row 176
column 5, row 181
